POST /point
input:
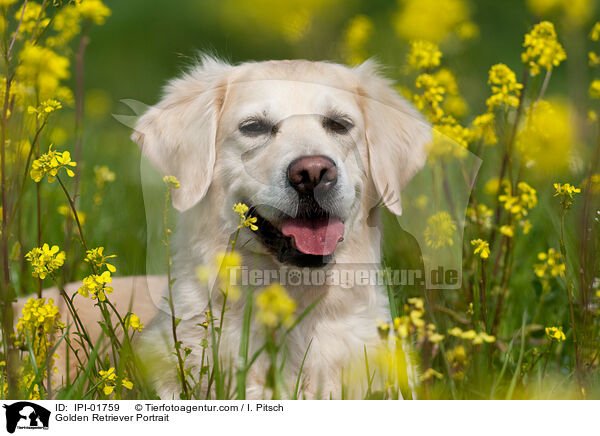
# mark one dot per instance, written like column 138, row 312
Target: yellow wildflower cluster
column 424, row 55
column 225, row 262
column 431, row 97
column 449, row 127
column 43, row 68
column 575, row 12
column 547, row 137
column 595, row 89
column 45, row 108
column 356, row 36
column 542, row 48
column 245, row 219
column 94, row 286
column 134, row 322
column 481, row 247
column 433, row 20
column 275, row 307
column 48, row 164
column 404, row 326
column 595, row 32
column 551, row 265
column 484, row 128
column 472, row 335
column 38, row 319
column 458, row 360
column 172, row 182
column 45, row 260
column 565, row 192
column 520, row 204
column 96, row 257
column 429, row 374
column 35, row 331
column 555, row 333
column 102, row 176
column 110, row 381
column 440, row 230
column 66, row 211
column 93, row 10
column 481, row 215
column 454, row 104
column 505, row 88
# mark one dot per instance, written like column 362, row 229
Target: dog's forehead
column 288, row 91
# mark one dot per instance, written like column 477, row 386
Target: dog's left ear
column 178, row 134
column 396, row 135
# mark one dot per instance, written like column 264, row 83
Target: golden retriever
column 313, row 148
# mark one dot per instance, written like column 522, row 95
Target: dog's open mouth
column 309, row 239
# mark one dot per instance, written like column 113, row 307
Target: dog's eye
column 337, row 125
column 255, row 127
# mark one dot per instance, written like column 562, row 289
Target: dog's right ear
column 178, row 134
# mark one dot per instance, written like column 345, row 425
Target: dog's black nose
column 309, row 173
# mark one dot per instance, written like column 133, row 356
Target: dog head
column 311, row 147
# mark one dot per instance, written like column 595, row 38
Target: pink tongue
column 317, row 237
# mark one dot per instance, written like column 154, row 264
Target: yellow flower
column 552, row 264
column 484, row 337
column 227, row 261
column 505, row 88
column 356, row 35
column 171, row 181
column 484, row 128
column 110, row 381
column 595, row 32
column 94, row 286
column 508, row 231
column 520, row 204
column 50, row 163
column 45, row 108
column 424, row 55
column 275, row 307
column 565, row 192
column 66, row 25
column 435, row 337
column 481, row 215
column 431, row 20
column 440, row 230
column 37, row 331
column 66, row 211
column 245, row 219
column 431, row 373
column 455, row 331
column 93, row 10
column 555, row 333
column 134, row 322
column 38, row 317
column 593, row 59
column 103, row 175
column 417, row 303
column 45, row 260
column 481, row 247
column 433, row 94
column 566, row 189
column 96, row 257
column 547, row 137
column 43, row 68
column 595, row 89
column 542, row 48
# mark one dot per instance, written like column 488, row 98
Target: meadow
column 514, row 86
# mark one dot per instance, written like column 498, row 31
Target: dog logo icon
column 26, row 415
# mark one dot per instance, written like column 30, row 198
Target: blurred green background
column 144, row 43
